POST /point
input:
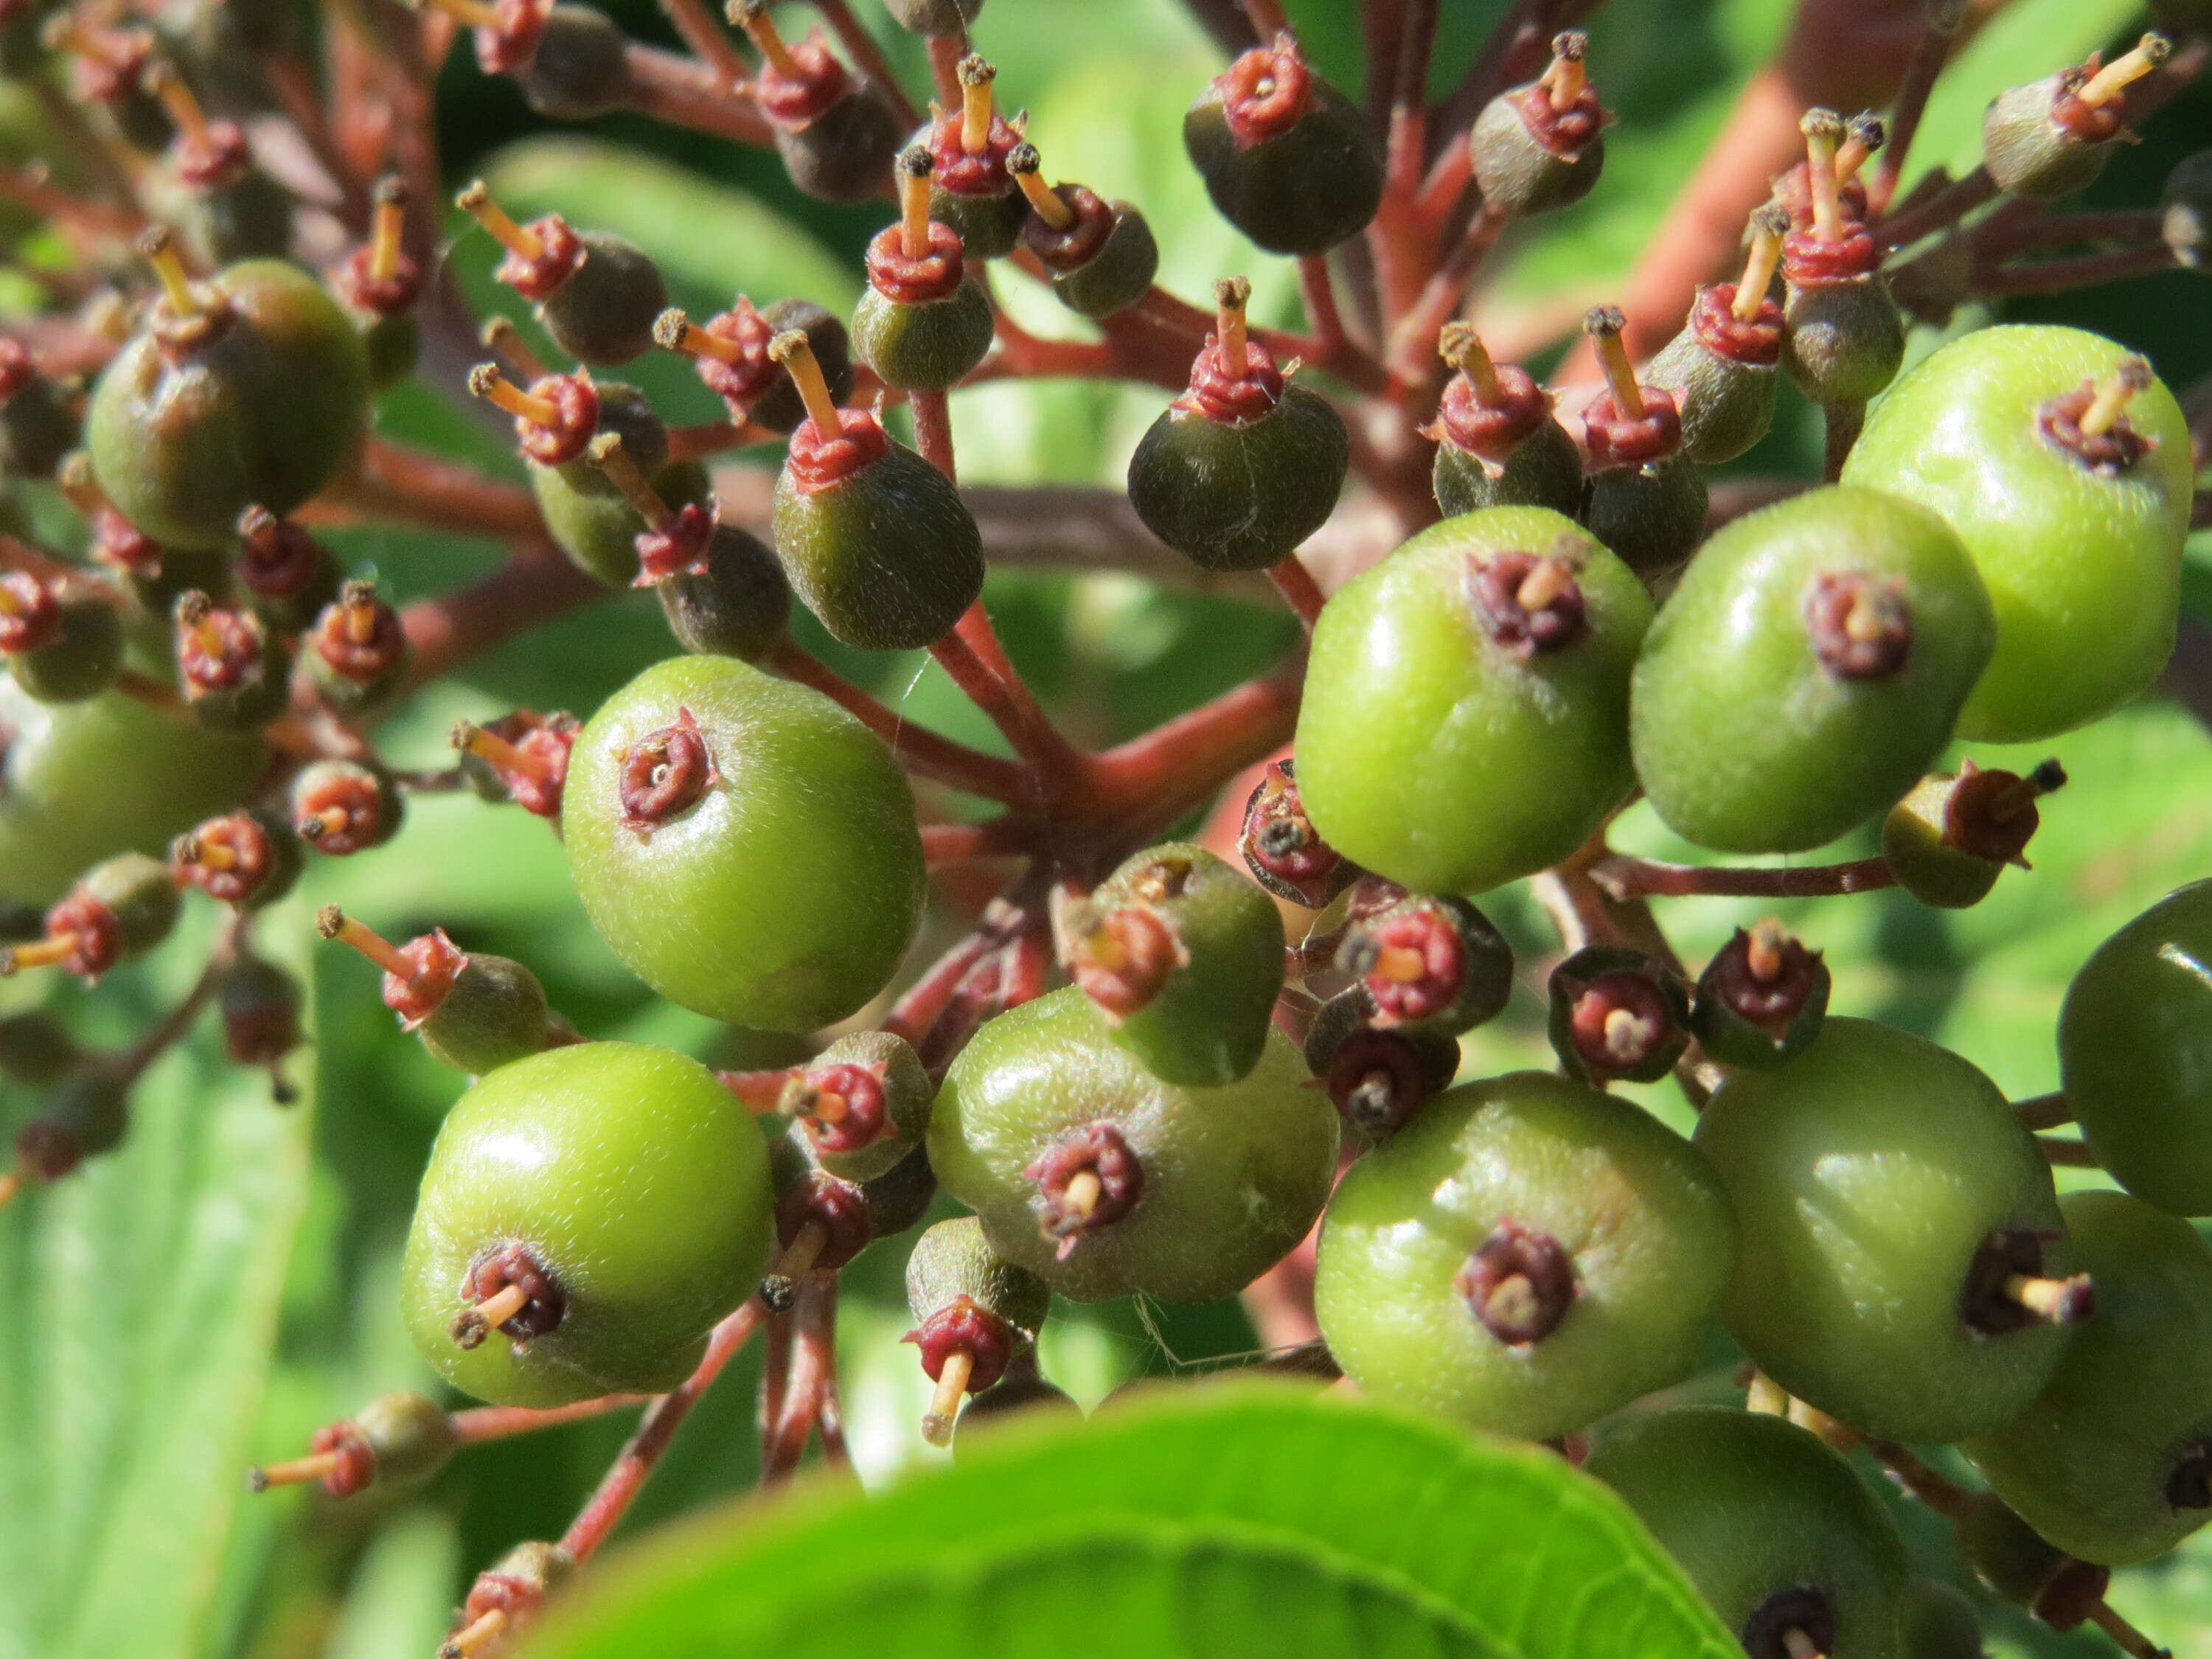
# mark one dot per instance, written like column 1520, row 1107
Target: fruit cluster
column 1574, row 615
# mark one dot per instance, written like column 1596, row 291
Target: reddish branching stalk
column 603, row 1511
column 479, row 1424
column 920, row 749
column 1625, row 878
column 810, row 1382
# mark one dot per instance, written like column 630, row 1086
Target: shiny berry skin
column 1194, row 1192
column 82, row 780
column 2112, row 1462
column 2081, row 550
column 1285, row 156
column 1877, row 1178
column 1452, row 738
column 1524, row 1257
column 262, row 410
column 2135, row 1052
column 1183, row 956
column 1806, row 670
column 1776, row 1530
column 744, row 845
column 613, row 1181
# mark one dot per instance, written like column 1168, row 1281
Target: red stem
column 1624, row 878
column 962, row 843
column 2061, row 1151
column 479, row 1424
column 946, row 52
column 2056, row 276
column 621, row 1483
column 1920, row 74
column 926, row 999
column 415, row 487
column 529, row 589
column 699, row 31
column 1945, row 207
column 813, row 1369
column 690, row 93
column 868, row 57
column 1154, row 779
column 920, row 749
column 1414, row 342
column 1299, row 590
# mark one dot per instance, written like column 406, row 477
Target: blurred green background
column 205, row 1298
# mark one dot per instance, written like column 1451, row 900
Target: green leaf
column 401, row 1602
column 1238, row 1519
column 139, row 1297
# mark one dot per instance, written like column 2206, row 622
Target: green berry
column 1103, row 1181
column 1946, row 842
column 1183, row 957
column 843, row 155
column 1497, row 444
column 342, row 807
column 1938, row 1621
column 975, row 1313
column 2113, row 1462
column 924, row 321
column 254, row 391
column 2077, row 536
column 863, row 1104
column 1806, row 670
column 579, row 68
column 1721, row 368
column 1376, row 1077
column 1902, row 1242
column 1245, row 465
column 236, row 673
column 930, row 344
column 609, row 1200
column 1495, row 646
column 1524, row 1257
column 1761, row 1000
column 2134, row 1051
column 736, row 604
column 875, row 539
column 1542, row 146
column 85, row 779
column 1617, row 1016
column 1102, row 255
column 1428, row 964
column 744, row 845
column 72, row 645
column 1776, row 1530
column 474, row 1012
column 586, row 514
column 1842, row 341
column 1285, row 156
column 36, row 1049
column 2052, row 137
